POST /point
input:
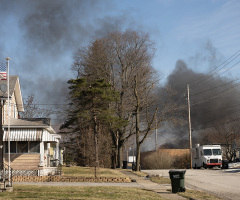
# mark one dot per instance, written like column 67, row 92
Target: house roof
column 30, row 123
column 14, row 87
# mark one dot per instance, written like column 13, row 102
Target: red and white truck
column 206, row 156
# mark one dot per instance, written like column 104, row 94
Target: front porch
column 33, row 151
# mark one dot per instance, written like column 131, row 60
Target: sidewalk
column 164, row 190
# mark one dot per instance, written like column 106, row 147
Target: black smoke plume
column 47, row 33
column 214, row 100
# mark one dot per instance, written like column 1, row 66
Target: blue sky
column 41, row 36
column 185, row 29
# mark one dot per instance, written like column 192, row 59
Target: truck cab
column 206, row 156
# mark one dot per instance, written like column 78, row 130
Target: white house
column 30, row 139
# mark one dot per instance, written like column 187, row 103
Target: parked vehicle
column 206, row 156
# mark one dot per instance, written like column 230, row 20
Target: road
column 222, row 183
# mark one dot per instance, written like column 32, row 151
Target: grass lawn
column 90, row 172
column 93, row 193
column 160, row 180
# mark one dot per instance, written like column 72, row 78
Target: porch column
column 57, row 152
column 41, row 163
column 48, row 157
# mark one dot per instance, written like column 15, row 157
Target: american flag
column 3, row 71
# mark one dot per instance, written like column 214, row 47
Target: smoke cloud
column 214, row 99
column 45, row 34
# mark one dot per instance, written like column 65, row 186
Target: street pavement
column 223, row 183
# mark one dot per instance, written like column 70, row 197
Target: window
column 216, row 152
column 207, row 152
column 34, row 147
column 22, row 147
column 12, row 147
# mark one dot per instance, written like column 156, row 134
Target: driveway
column 222, row 183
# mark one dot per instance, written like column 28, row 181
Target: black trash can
column 125, row 164
column 224, row 164
column 177, row 180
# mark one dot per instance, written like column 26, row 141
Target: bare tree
column 225, row 133
column 117, row 58
column 31, row 110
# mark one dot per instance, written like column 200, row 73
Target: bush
column 157, row 160
column 164, row 160
column 181, row 162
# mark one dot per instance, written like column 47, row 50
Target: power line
column 221, row 124
column 204, row 75
column 209, row 111
column 220, row 93
column 214, row 87
column 218, row 75
column 231, row 58
column 208, row 75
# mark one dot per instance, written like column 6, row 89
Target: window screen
column 12, row 147
column 34, row 147
column 22, row 147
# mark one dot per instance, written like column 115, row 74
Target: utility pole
column 9, row 118
column 190, row 128
column 156, row 143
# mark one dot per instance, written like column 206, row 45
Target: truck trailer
column 206, row 156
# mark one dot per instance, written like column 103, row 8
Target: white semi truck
column 206, row 156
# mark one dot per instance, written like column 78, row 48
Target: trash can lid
column 180, row 171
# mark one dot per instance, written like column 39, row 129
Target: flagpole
column 9, row 182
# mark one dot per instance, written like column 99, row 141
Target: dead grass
column 160, row 180
column 90, row 172
column 86, row 193
column 139, row 173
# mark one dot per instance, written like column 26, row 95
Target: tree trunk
column 96, row 144
column 117, row 150
column 137, row 127
column 137, row 143
column 137, row 155
column 120, row 160
column 114, row 157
